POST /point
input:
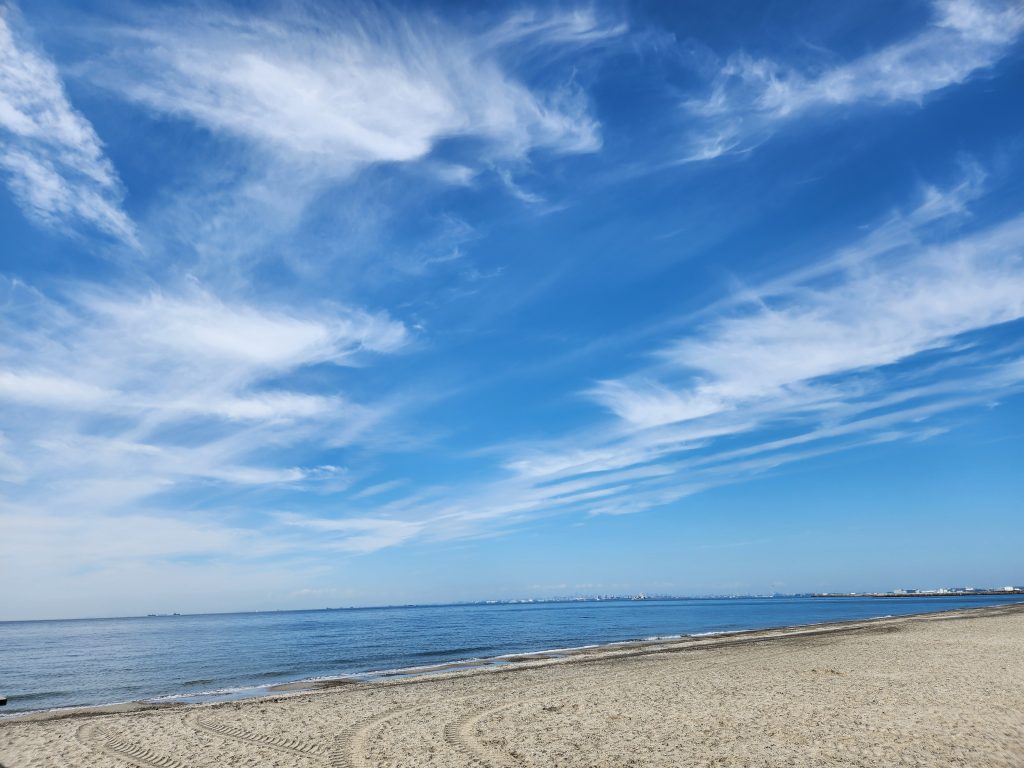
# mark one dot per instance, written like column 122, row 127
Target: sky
column 324, row 304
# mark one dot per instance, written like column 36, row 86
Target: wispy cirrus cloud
column 805, row 339
column 357, row 534
column 882, row 341
column 874, row 336
column 116, row 396
column 51, row 156
column 292, row 105
column 876, row 316
column 331, row 95
column 751, row 98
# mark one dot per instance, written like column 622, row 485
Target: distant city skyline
column 313, row 304
column 1010, row 591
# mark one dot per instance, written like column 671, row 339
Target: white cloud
column 872, row 305
column 928, row 222
column 520, row 194
column 244, row 336
column 539, row 29
column 125, row 395
column 371, row 85
column 378, row 488
column 357, row 534
column 52, row 158
column 267, row 406
column 878, row 315
column 42, row 389
column 297, row 100
column 872, row 344
column 751, row 97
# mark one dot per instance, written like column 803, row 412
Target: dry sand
column 938, row 690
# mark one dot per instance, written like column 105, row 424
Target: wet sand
column 938, row 689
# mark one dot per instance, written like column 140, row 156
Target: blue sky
column 310, row 305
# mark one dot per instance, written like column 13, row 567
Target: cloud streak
column 877, row 316
column 116, row 396
column 334, row 95
column 751, row 98
column 881, row 341
column 51, row 156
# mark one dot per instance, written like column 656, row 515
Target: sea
column 194, row 658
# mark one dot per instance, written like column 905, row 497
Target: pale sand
column 939, row 690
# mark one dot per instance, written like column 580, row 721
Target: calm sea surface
column 47, row 664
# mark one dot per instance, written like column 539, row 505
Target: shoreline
column 503, row 664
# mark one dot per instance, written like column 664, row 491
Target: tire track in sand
column 461, row 732
column 349, row 745
column 98, row 738
column 281, row 744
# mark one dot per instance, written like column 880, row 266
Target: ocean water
column 49, row 664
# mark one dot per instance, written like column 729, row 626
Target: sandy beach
column 932, row 690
